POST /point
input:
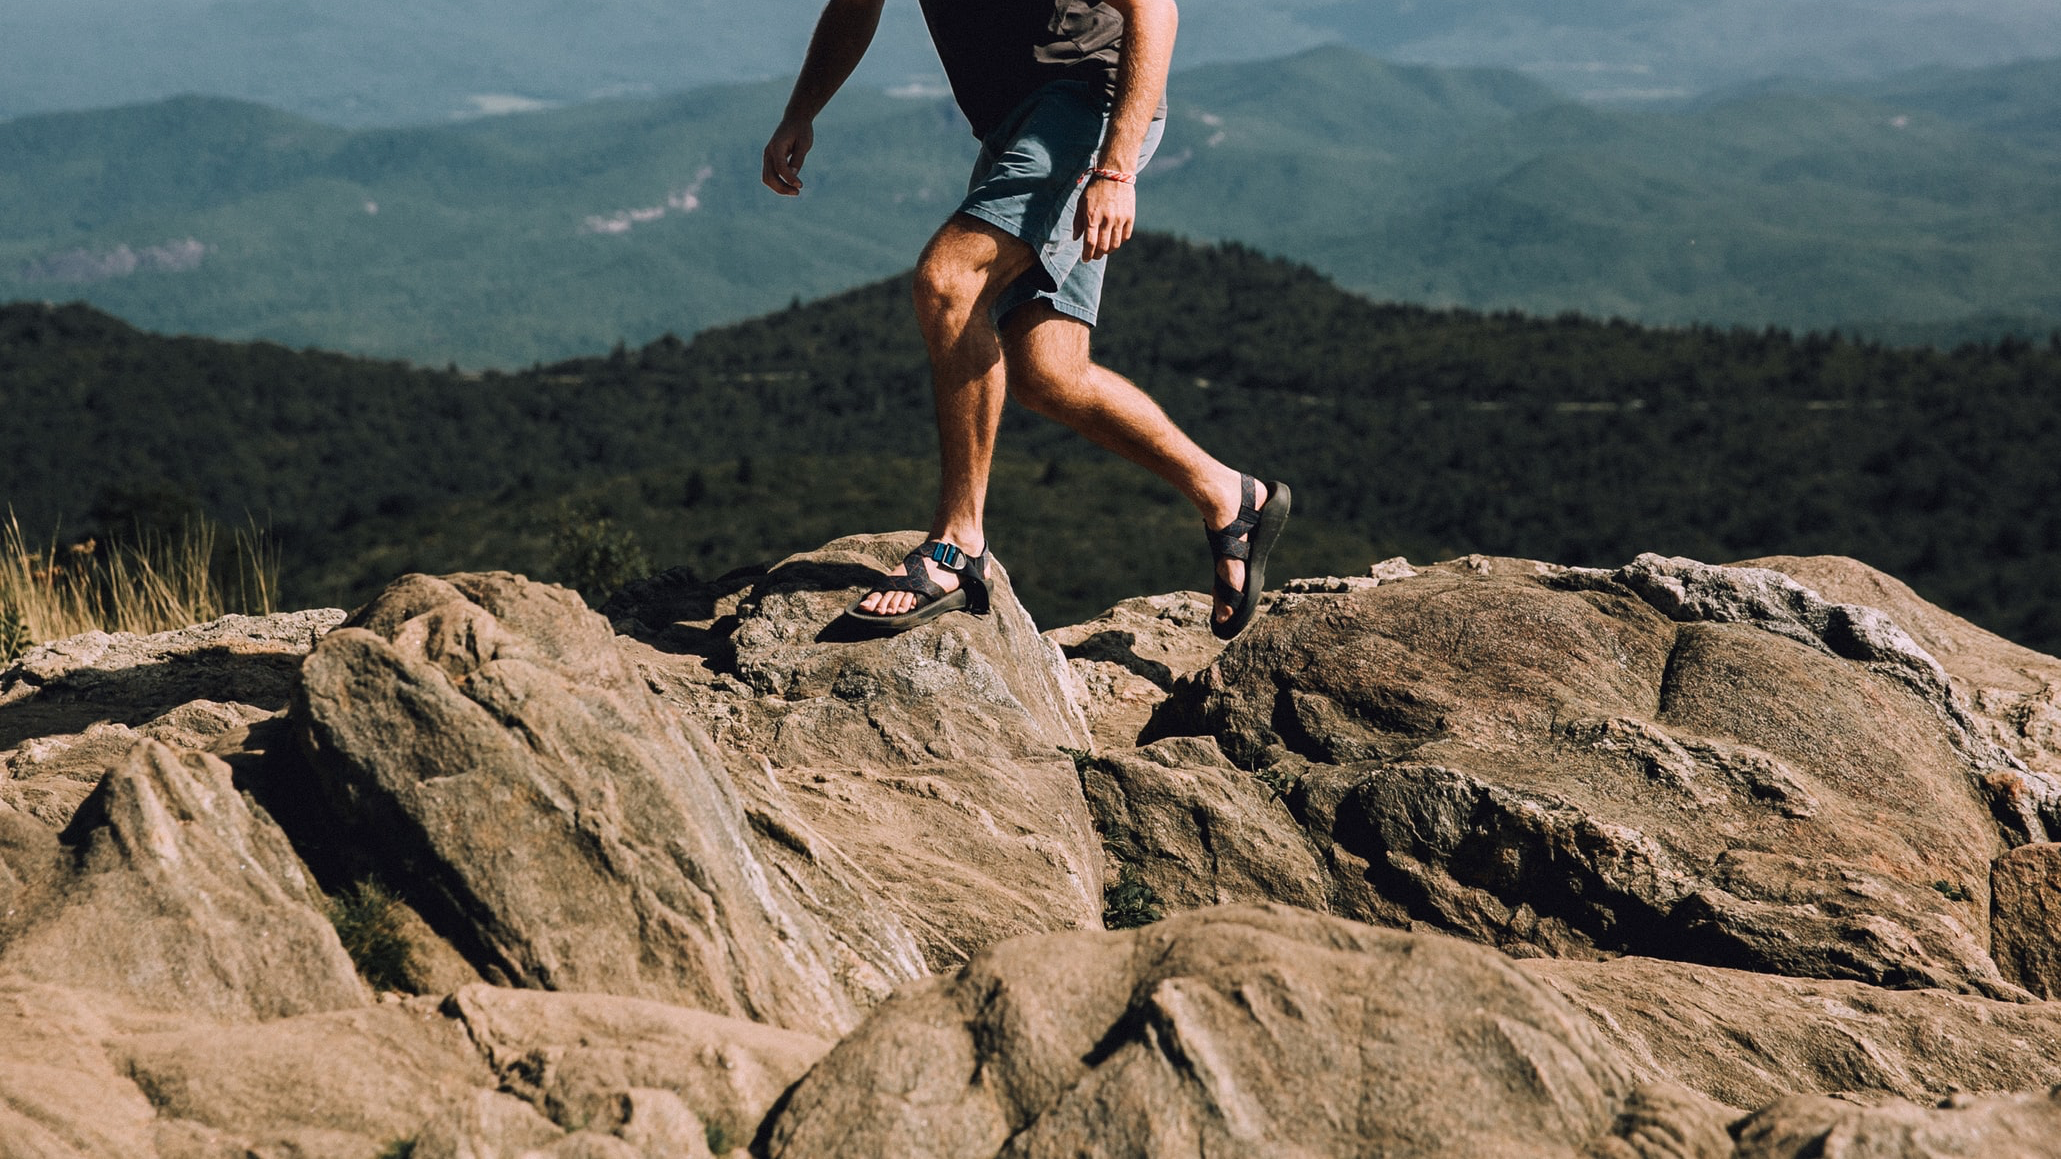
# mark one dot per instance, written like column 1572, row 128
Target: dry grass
column 159, row 582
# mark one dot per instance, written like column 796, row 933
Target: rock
column 578, row 1056
column 1225, row 1031
column 1541, row 759
column 2024, row 1126
column 215, row 913
column 1125, row 660
column 1199, row 831
column 1746, row 1040
column 488, row 740
column 353, row 1081
column 2012, row 694
column 61, row 1097
column 485, row 1125
column 925, row 773
column 2025, row 917
column 1666, row 1121
column 64, row 687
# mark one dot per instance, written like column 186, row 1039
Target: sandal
column 1249, row 537
column 972, row 593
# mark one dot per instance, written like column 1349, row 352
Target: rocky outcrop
column 2021, row 1126
column 487, row 739
column 1671, row 760
column 1198, row 831
column 1746, row 1040
column 575, row 1055
column 1759, row 848
column 169, row 889
column 1233, row 1031
column 934, row 762
column 2025, row 917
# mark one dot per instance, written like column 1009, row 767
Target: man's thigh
column 967, row 247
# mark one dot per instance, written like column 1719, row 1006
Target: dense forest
column 1404, row 430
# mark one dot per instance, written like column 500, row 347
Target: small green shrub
column 399, row 1149
column 1952, row 891
column 1129, row 902
column 368, row 921
column 719, row 1142
column 594, row 557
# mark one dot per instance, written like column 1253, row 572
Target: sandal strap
column 971, row 568
column 1229, row 541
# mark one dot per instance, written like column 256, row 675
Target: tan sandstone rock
column 577, row 1056
column 1747, row 1039
column 488, row 738
column 2025, row 917
column 1263, row 1031
column 1198, row 830
column 924, row 771
column 2025, row 1126
column 1672, row 759
column 169, row 889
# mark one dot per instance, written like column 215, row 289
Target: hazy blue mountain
column 414, row 61
column 505, row 240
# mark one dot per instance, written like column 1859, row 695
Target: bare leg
column 1049, row 371
column 967, row 264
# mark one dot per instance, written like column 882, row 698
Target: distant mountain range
column 1925, row 208
column 384, row 62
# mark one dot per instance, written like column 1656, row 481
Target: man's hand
column 1107, row 212
column 784, row 156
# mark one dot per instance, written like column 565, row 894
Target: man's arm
column 843, row 33
column 1109, row 209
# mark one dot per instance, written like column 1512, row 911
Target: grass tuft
column 156, row 583
column 368, row 920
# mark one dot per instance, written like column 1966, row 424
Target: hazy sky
column 367, row 61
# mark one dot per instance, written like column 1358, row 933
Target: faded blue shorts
column 1027, row 183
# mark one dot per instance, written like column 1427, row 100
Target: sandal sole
column 951, row 601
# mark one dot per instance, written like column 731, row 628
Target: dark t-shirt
column 997, row 52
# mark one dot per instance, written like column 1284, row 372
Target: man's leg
column 963, row 270
column 1049, row 371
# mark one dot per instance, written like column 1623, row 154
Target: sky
column 417, row 61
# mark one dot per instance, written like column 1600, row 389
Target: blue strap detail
column 944, row 554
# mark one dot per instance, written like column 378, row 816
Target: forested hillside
column 1404, row 430
column 1931, row 208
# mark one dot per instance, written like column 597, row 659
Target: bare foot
column 899, row 603
column 1232, row 571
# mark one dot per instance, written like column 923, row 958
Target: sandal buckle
column 946, row 555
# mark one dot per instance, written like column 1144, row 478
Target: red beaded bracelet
column 1116, row 175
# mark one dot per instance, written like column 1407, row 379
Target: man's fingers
column 781, row 170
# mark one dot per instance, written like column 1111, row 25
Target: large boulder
column 170, row 889
column 1672, row 759
column 933, row 761
column 2023, row 1126
column 1269, row 1031
column 1746, row 1040
column 578, row 1057
column 2011, row 694
column 2025, row 917
column 488, row 742
column 1199, row 831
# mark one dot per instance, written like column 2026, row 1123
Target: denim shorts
column 1028, row 184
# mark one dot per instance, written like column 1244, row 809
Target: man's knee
column 1047, row 352
column 947, row 286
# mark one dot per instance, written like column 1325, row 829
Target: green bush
column 593, row 556
column 1129, row 902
